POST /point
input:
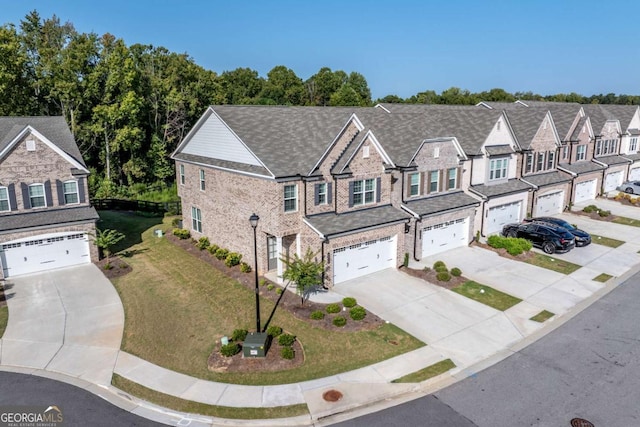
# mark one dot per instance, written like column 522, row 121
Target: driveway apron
column 69, row 321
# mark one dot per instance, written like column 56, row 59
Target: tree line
column 129, row 106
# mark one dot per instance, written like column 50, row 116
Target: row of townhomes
column 366, row 187
column 46, row 220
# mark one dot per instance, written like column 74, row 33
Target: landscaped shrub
column 604, row 213
column 244, row 267
column 203, row 243
column 262, row 282
column 349, row 302
column 286, row 340
column 270, row 287
column 213, row 249
column 230, row 349
column 239, row 335
column 496, row 241
column 514, row 246
column 287, row 353
column 439, row 264
column 333, row 308
column 232, row 259
column 405, row 263
column 357, row 313
column 455, row 271
column 274, row 331
column 590, row 208
column 317, row 315
column 443, row 276
column 181, row 233
column 222, row 253
column 339, row 321
column 279, row 291
column 441, row 269
column 175, row 222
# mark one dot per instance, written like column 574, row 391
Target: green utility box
column 256, row 344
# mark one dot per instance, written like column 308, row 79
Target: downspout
column 484, row 202
column 305, row 196
column 415, row 239
column 325, row 240
column 402, row 186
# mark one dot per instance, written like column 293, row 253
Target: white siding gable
column 500, row 135
column 214, row 139
column 635, row 121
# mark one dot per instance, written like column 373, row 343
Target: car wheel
column 548, row 248
column 512, row 233
column 628, row 190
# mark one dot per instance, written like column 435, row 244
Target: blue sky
column 402, row 47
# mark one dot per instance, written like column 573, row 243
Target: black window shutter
column 24, row 188
column 378, row 189
column 329, row 195
column 316, row 194
column 81, row 190
column 13, row 203
column 351, row 194
column 60, row 191
column 47, row 193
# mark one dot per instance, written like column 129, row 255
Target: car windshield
column 566, row 225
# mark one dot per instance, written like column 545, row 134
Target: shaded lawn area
column 486, row 295
column 177, row 306
column 552, row 263
column 129, row 224
column 183, row 405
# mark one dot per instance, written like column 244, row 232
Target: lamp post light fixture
column 253, row 220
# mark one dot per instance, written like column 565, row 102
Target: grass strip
column 182, row 405
column 602, row 278
column 543, row 316
column 427, row 373
column 626, row 221
column 486, row 295
column 606, row 241
column 551, row 263
column 4, row 318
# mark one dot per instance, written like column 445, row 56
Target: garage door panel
column 363, row 258
column 550, row 204
column 442, row 237
column 499, row 216
column 612, row 180
column 41, row 254
column 634, row 174
column 585, row 191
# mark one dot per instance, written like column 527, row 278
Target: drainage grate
column 581, row 422
column 332, row 395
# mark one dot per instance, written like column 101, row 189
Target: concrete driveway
column 455, row 326
column 69, row 320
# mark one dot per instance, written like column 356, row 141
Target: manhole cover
column 580, row 422
column 332, row 395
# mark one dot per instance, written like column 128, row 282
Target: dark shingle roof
column 525, row 123
column 598, row 116
column 633, row 157
column 549, row 178
column 498, row 150
column 575, row 135
column 49, row 217
column 330, row 224
column 433, row 205
column 563, row 116
column 288, row 140
column 223, row 163
column 495, row 190
column 581, row 167
column 54, row 128
column 613, row 160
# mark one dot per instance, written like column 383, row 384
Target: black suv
column 582, row 237
column 550, row 238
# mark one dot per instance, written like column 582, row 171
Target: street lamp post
column 253, row 220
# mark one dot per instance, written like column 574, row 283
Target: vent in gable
column 436, row 152
column 31, row 145
column 365, row 151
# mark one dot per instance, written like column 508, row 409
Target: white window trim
column 504, row 169
column 64, row 191
column 412, row 185
column 196, row 219
column 633, row 144
column 202, row 181
column 436, row 181
column 455, row 178
column 528, row 166
column 581, row 152
column 181, row 174
column 44, row 196
column 294, row 198
column 8, row 200
column 364, row 192
column 322, row 192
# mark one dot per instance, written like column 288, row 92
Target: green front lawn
column 543, row 316
column 428, row 372
column 188, row 406
column 606, row 241
column 626, row 221
column 129, row 224
column 552, row 263
column 4, row 318
column 602, row 277
column 177, row 306
column 486, row 295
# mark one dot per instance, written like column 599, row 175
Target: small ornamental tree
column 305, row 272
column 106, row 239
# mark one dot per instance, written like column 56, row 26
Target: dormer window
column 498, row 169
column 31, row 145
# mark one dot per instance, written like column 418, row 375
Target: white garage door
column 550, row 204
column 447, row 235
column 585, row 191
column 634, row 174
column 46, row 252
column 503, row 214
column 612, row 181
column 363, row 258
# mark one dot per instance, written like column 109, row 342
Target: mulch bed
column 273, row 361
column 430, row 276
column 117, row 267
column 595, row 215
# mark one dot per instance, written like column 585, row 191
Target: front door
column 272, row 252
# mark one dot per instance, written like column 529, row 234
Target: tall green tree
column 305, row 272
column 14, row 93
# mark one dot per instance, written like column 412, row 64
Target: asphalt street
column 589, row 368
